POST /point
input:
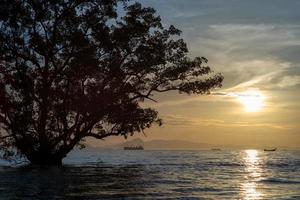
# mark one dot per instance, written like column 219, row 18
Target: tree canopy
column 71, row 69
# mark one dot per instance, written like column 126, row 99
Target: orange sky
column 256, row 46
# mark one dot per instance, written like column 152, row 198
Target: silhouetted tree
column 72, row 69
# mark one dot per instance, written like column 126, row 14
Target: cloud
column 289, row 81
column 223, row 42
column 188, row 121
column 181, row 100
column 275, row 35
column 179, row 120
column 250, row 55
column 247, row 74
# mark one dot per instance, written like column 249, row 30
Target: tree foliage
column 71, row 69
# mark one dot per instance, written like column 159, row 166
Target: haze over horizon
column 256, row 46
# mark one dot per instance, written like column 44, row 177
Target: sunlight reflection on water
column 93, row 175
column 253, row 169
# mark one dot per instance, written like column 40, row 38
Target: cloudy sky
column 256, row 46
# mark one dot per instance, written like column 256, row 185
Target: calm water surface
column 244, row 174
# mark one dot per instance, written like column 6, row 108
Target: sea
column 152, row 174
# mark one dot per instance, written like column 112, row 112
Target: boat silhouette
column 270, row 149
column 134, row 148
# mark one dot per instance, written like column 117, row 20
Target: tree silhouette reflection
column 72, row 182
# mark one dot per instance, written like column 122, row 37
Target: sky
column 256, row 46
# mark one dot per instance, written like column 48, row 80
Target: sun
column 252, row 100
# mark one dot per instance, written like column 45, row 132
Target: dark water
column 245, row 174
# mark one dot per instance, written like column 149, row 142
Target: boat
column 134, row 148
column 270, row 149
column 216, row 149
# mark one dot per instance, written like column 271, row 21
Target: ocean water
column 237, row 174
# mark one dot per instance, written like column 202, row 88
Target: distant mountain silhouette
column 176, row 145
column 134, row 142
column 160, row 145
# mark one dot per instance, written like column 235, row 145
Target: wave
column 197, row 189
column 279, row 181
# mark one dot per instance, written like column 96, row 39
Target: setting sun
column 252, row 100
column 140, row 99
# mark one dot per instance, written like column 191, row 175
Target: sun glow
column 252, row 100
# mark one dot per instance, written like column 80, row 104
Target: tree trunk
column 45, row 159
column 47, row 162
